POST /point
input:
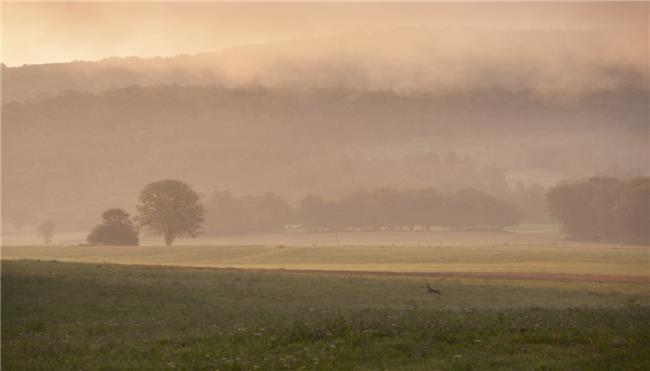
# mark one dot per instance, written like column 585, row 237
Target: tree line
column 595, row 209
column 603, row 209
column 390, row 209
column 377, row 210
column 172, row 209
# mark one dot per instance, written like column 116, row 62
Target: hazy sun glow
column 34, row 33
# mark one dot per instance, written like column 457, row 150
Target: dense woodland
column 378, row 210
column 388, row 209
column 603, row 209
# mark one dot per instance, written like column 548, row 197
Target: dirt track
column 520, row 276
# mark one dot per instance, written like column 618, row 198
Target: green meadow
column 89, row 316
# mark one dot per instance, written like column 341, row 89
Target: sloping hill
column 78, row 153
column 403, row 60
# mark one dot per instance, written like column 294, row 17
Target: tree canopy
column 603, row 209
column 170, row 208
column 116, row 229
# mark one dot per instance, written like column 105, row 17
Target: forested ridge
column 82, row 137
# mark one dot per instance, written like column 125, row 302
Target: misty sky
column 34, row 33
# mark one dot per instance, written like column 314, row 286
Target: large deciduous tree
column 170, row 208
column 116, row 229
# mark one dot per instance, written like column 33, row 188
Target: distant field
column 522, row 234
column 102, row 316
column 580, row 259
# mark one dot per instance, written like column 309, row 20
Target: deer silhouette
column 432, row 291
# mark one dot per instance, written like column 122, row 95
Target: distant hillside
column 405, row 108
column 414, row 60
column 73, row 155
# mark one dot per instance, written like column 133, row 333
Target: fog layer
column 408, row 108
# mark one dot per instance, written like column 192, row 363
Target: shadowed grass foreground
column 89, row 316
